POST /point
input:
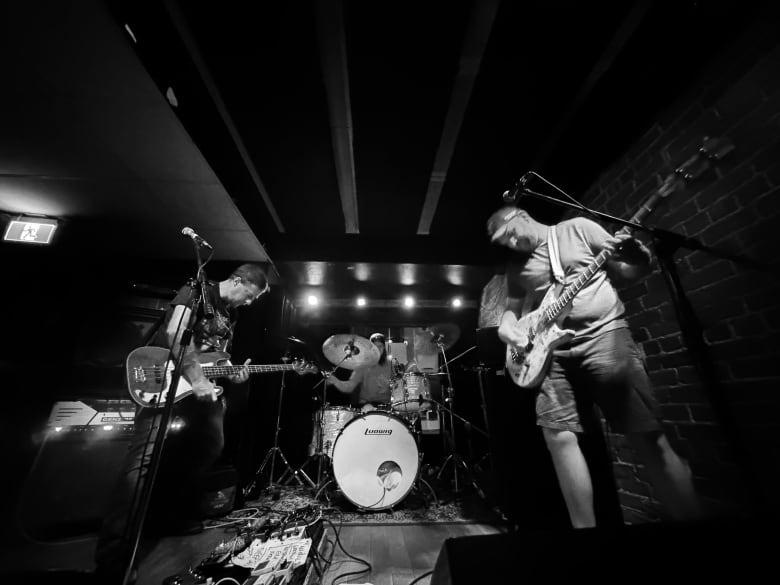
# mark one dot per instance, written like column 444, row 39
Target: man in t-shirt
column 601, row 364
column 189, row 452
column 369, row 386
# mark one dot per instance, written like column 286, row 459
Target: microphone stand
column 137, row 515
column 666, row 243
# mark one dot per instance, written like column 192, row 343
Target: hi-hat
column 427, row 339
column 350, row 351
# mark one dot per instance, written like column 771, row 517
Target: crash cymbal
column 429, row 337
column 350, row 351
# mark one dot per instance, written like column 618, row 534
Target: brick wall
column 727, row 428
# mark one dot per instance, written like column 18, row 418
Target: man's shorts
column 607, row 370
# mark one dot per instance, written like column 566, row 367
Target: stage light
column 108, row 427
column 457, row 302
column 176, row 424
column 57, row 429
column 361, row 301
column 408, row 302
column 30, row 230
column 313, row 300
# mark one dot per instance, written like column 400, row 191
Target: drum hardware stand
column 270, row 456
column 449, row 434
column 319, row 454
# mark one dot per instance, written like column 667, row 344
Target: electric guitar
column 149, row 373
column 527, row 365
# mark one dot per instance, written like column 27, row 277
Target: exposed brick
column 718, row 332
column 751, row 391
column 671, row 343
column 768, row 204
column 748, row 193
column 675, row 412
column 726, row 184
column 662, row 377
column 756, row 367
column 733, row 349
column 645, row 318
column 688, row 375
column 748, row 325
column 651, row 348
column 663, row 328
column 742, row 97
column 702, row 413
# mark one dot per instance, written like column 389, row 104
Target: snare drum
column 328, row 422
column 410, row 393
column 375, row 460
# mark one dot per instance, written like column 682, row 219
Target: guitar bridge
column 138, row 374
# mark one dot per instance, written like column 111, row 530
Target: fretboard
column 216, row 371
column 554, row 310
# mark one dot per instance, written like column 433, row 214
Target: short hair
column 377, row 337
column 499, row 220
column 252, row 273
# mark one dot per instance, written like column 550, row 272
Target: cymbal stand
column 319, row 455
column 449, row 433
column 270, row 456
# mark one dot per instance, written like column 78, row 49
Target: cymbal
column 429, row 337
column 350, row 351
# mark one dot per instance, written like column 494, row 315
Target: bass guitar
column 149, row 373
column 527, row 365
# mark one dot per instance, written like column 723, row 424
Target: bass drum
column 375, row 460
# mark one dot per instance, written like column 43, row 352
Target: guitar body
column 528, row 366
column 149, row 380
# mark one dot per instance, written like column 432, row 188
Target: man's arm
column 507, row 331
column 202, row 387
column 631, row 259
column 346, row 386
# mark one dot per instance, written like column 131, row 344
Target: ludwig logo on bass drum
column 379, row 432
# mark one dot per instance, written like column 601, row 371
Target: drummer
column 369, row 386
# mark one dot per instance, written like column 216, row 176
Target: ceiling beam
column 335, row 74
column 200, row 64
column 483, row 14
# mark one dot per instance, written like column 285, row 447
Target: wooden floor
column 398, row 553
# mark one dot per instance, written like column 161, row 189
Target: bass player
column 190, row 452
column 594, row 361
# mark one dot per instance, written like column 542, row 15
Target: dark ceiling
column 338, row 137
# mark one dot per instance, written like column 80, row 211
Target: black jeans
column 188, row 453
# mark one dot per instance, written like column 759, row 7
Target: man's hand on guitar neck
column 242, row 375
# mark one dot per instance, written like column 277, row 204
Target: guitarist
column 189, row 453
column 601, row 364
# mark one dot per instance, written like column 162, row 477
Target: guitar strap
column 555, row 256
column 555, row 264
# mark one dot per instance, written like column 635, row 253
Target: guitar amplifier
column 92, row 415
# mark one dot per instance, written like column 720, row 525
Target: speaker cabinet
column 678, row 551
column 66, row 493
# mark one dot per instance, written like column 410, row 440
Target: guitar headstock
column 302, row 367
column 712, row 150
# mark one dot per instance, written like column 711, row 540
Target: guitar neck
column 217, row 371
column 554, row 310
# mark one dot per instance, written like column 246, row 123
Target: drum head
column 375, row 460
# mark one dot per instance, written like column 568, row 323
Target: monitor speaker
column 659, row 551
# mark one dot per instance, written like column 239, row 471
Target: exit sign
column 30, row 231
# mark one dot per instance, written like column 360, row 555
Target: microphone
column 514, row 194
column 189, row 232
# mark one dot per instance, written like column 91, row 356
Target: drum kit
column 373, row 455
